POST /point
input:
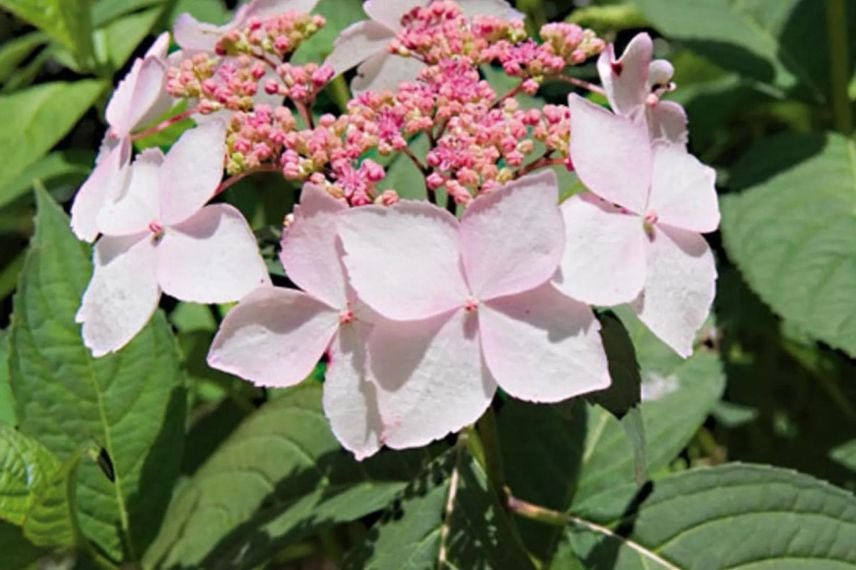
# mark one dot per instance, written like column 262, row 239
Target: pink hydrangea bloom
column 639, row 241
column 634, row 85
column 139, row 99
column 467, row 306
column 276, row 336
column 366, row 43
column 158, row 235
column 193, row 35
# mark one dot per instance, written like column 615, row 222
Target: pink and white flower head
column 366, row 43
column 468, row 306
column 193, row 35
column 158, row 235
column 139, row 99
column 638, row 240
column 275, row 336
column 634, row 85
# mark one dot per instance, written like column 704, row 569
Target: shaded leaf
column 845, row 454
column 59, row 167
column 7, row 400
column 67, row 22
column 16, row 50
column 626, row 388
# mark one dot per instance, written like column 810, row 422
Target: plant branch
column 581, row 83
column 836, row 26
column 232, row 180
column 164, row 125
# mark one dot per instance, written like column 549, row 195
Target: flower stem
column 486, row 428
column 581, row 83
column 164, row 125
column 232, row 180
column 538, row 513
column 836, row 26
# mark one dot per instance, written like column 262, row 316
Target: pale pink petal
column 682, row 190
column 385, row 72
column 390, row 13
column 430, row 376
column 679, row 288
column 350, row 394
column 119, row 107
column 498, row 8
column 274, row 337
column 133, row 207
column 212, row 257
column 512, row 238
column 160, row 47
column 192, row 171
column 403, row 261
column 357, row 43
column 611, row 154
column 264, row 9
column 122, row 295
column 311, row 253
column 107, row 179
column 604, row 260
column 668, row 122
column 191, row 34
column 542, row 346
column 150, row 100
column 625, row 80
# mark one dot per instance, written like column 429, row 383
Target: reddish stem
column 581, row 83
column 232, row 180
column 164, row 125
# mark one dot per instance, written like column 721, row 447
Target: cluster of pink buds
column 495, row 285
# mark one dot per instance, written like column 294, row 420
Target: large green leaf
column 792, row 232
column 764, row 40
column 735, row 516
column 62, row 167
column 280, row 475
column 120, row 38
column 448, row 517
column 131, row 403
column 26, row 468
column 7, row 402
column 67, row 22
column 43, row 116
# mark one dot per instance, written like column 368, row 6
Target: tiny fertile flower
column 634, row 85
column 366, row 43
column 467, row 306
column 158, row 235
column 276, row 336
column 139, row 99
column 641, row 243
column 193, row 35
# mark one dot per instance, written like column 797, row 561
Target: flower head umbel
column 158, row 235
column 640, row 241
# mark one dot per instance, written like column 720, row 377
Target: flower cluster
column 422, row 310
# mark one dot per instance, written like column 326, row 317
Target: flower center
column 157, row 230
column 346, row 317
column 471, row 305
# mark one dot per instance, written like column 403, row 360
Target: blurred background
column 769, row 89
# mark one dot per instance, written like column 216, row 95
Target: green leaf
column 15, row 550
column 792, row 232
column 58, row 168
column 733, row 516
column 52, row 517
column 7, row 400
column 131, row 403
column 626, row 388
column 339, row 16
column 403, row 176
column 16, row 50
column 120, row 38
column 105, row 11
column 213, row 11
column 764, row 40
column 26, row 468
column 67, row 22
column 448, row 517
column 845, row 454
column 279, row 476
column 44, row 115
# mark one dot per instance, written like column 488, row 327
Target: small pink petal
column 191, row 34
column 106, row 180
column 403, row 261
column 192, row 171
column 135, row 206
column 274, row 337
column 122, row 295
column 542, row 346
column 604, row 260
column 311, row 253
column 212, row 257
column 430, row 377
column 350, row 393
column 139, row 98
column 385, row 72
column 611, row 154
column 512, row 238
column 679, row 288
column 625, row 80
column 357, row 43
column 682, row 190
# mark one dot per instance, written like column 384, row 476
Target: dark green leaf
column 845, row 454
column 17, row 50
column 131, row 403
column 7, row 400
column 626, row 388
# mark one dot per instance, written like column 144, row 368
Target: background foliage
column 148, row 457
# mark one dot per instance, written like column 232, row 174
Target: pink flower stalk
column 158, row 235
column 467, row 306
column 640, row 242
column 191, row 34
column 139, row 99
column 367, row 44
column 275, row 336
column 634, row 85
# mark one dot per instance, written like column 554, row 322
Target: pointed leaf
column 68, row 23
